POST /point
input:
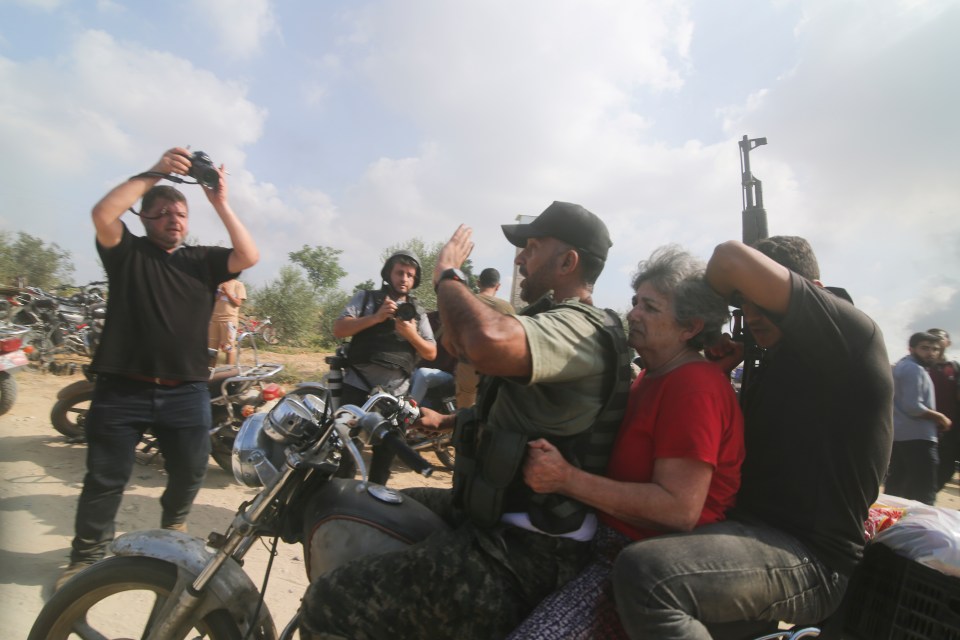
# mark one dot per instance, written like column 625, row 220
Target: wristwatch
column 451, row 274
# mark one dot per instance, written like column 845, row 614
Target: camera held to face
column 203, row 171
column 406, row 311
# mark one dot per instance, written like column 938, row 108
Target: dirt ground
column 40, row 478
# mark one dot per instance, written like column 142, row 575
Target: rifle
column 754, row 228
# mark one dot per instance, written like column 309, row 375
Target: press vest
column 381, row 344
column 487, row 479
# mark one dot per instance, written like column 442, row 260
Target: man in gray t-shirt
column 916, row 423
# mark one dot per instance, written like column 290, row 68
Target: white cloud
column 240, row 25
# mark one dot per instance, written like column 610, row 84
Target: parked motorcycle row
column 236, row 392
column 37, row 326
column 59, row 324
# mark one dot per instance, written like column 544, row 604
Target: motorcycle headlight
column 256, row 457
column 288, row 421
column 316, row 406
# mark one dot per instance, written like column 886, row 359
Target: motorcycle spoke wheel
column 8, row 391
column 221, row 450
column 69, row 416
column 119, row 598
column 446, row 454
column 270, row 334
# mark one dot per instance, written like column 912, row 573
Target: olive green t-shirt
column 565, row 391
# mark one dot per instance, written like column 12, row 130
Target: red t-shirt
column 691, row 412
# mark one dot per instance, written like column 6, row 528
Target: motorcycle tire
column 222, row 453
column 446, row 454
column 270, row 335
column 69, row 415
column 8, row 391
column 73, row 609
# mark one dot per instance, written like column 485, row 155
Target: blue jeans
column 914, row 465
column 120, row 412
column 675, row 586
column 425, row 379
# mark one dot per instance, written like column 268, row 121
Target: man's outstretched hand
column 454, row 253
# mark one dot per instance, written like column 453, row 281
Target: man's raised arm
column 245, row 253
column 496, row 344
column 735, row 267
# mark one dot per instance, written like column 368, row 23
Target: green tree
column 322, row 265
column 366, row 285
column 331, row 304
column 39, row 264
column 292, row 304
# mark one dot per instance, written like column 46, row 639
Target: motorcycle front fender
column 230, row 589
column 75, row 388
column 316, row 388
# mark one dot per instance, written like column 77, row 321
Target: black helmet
column 388, row 266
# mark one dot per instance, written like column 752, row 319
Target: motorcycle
column 441, row 399
column 176, row 586
column 264, row 329
column 236, row 392
column 12, row 358
column 61, row 325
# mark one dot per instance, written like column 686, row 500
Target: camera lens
column 406, row 311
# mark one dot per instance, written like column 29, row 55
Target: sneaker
column 72, row 569
column 179, row 526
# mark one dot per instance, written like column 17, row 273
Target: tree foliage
column 37, row 263
column 291, row 303
column 321, row 264
column 366, row 285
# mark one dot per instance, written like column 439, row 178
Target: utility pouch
column 464, row 440
column 504, row 451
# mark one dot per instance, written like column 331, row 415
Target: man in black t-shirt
column 152, row 362
column 818, row 433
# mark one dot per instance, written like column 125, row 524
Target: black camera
column 406, row 311
column 203, row 171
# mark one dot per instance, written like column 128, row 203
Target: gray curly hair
column 674, row 272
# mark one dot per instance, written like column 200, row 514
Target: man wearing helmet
column 385, row 347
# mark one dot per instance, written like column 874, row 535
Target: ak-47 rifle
column 754, row 228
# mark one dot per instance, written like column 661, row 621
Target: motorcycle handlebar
column 410, row 457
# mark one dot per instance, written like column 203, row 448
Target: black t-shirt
column 819, row 426
column 159, row 308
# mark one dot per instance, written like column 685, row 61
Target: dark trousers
column 949, row 451
column 465, row 583
column 913, row 470
column 382, row 458
column 121, row 411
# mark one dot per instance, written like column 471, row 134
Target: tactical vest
column 487, row 481
column 381, row 344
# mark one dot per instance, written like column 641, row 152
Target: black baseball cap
column 568, row 222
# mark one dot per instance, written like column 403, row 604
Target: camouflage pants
column 465, row 582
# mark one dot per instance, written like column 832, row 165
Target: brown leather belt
column 164, row 382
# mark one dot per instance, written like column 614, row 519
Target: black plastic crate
column 894, row 598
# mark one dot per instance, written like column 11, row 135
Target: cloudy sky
column 363, row 124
